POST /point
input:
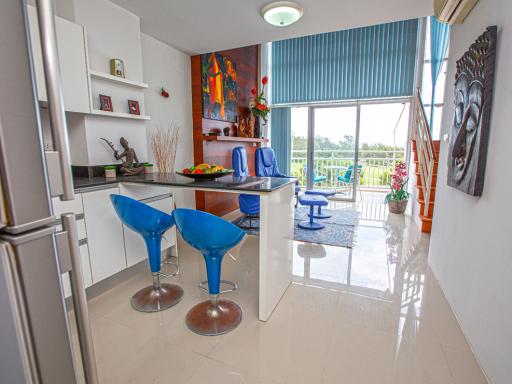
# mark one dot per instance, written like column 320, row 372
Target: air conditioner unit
column 453, row 11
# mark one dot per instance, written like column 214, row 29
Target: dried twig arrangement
column 164, row 142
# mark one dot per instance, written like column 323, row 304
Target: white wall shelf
column 98, row 112
column 117, row 79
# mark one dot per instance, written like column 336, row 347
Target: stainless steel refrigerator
column 35, row 342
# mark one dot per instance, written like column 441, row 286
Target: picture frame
column 106, row 103
column 133, row 107
column 117, row 67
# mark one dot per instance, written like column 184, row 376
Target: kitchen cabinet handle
column 80, row 301
column 53, row 81
column 156, row 198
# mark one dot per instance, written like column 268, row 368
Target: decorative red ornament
column 264, row 80
column 253, row 91
column 164, row 93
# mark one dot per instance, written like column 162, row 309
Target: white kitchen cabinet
column 104, row 234
column 73, row 62
column 159, row 198
column 74, row 206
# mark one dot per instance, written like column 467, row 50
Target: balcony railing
column 376, row 169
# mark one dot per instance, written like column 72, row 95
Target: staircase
column 426, row 215
column 426, row 160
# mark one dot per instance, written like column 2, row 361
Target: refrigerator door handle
column 54, row 92
column 80, row 300
column 14, row 289
column 3, row 211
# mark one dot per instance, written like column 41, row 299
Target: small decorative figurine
column 130, row 165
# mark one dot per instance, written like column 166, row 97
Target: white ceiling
column 200, row 26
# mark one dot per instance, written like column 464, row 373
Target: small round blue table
column 312, row 201
column 325, row 193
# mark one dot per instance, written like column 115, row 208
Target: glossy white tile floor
column 372, row 314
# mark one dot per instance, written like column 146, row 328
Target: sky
column 378, row 122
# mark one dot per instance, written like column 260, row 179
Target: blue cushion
column 315, row 200
column 249, row 204
column 321, row 192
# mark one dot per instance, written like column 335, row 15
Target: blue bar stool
column 213, row 237
column 312, row 201
column 151, row 224
column 325, row 193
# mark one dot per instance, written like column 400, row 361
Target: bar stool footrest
column 203, row 285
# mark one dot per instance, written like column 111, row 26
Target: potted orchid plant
column 259, row 105
column 398, row 197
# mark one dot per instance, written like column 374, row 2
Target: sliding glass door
column 323, row 148
column 328, row 141
column 333, row 149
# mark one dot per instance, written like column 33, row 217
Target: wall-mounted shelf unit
column 117, row 79
column 234, row 138
column 98, row 112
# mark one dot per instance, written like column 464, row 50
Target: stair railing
column 425, row 150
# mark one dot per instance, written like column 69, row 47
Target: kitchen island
column 276, row 220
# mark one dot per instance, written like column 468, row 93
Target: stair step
column 432, row 194
column 436, row 165
column 426, row 226
column 430, row 212
column 418, row 180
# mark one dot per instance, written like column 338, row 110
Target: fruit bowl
column 205, row 171
column 207, row 176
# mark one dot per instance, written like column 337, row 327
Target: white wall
column 167, row 67
column 471, row 241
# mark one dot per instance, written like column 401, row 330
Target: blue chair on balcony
column 249, row 204
column 316, row 178
column 348, row 177
column 213, row 237
column 151, row 224
column 266, row 166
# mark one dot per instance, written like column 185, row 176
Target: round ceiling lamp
column 282, row 13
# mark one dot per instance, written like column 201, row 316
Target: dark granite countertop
column 227, row 183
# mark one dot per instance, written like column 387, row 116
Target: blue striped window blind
column 361, row 63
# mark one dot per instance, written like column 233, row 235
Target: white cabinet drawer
column 143, row 191
column 104, row 234
column 73, row 206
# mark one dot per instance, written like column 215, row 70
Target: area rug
column 338, row 216
column 339, row 229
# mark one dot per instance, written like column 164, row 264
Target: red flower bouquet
column 259, row 104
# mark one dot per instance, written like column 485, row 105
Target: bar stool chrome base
column 214, row 317
column 203, row 285
column 170, row 263
column 157, row 297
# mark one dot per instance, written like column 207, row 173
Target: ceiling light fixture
column 281, row 13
